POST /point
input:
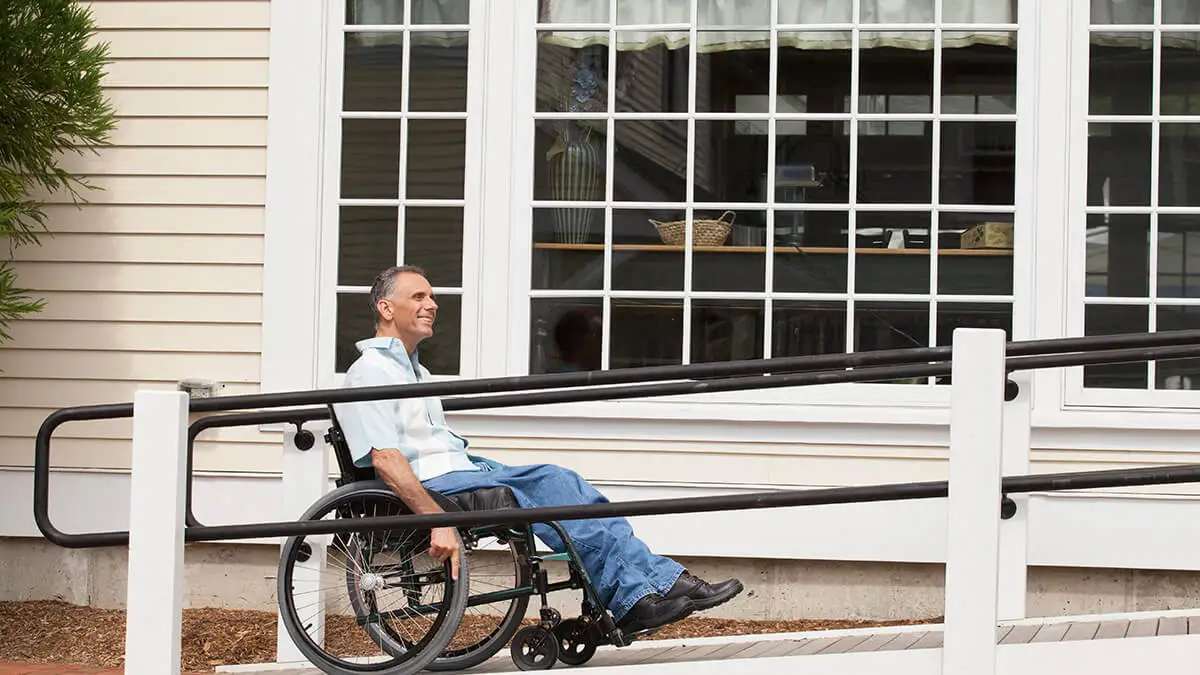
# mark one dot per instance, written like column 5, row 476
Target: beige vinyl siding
column 159, row 278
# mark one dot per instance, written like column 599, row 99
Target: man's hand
column 444, row 544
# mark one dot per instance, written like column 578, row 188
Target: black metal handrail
column 590, row 386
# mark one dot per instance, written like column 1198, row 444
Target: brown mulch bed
column 59, row 632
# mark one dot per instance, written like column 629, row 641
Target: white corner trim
column 291, row 255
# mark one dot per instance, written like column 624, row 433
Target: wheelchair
column 398, row 610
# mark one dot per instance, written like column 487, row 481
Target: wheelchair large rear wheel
column 346, row 598
column 499, row 562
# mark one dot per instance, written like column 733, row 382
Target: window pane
column 439, row 72
column 954, row 315
column 810, row 251
column 807, row 11
column 375, row 12
column 727, row 330
column 733, row 14
column 735, row 162
column 1177, row 170
column 441, row 353
column 354, row 323
column 642, row 260
column 1118, row 255
column 978, row 163
column 812, row 160
column 975, row 253
column 813, row 77
column 910, row 11
column 1177, row 373
column 806, row 327
column 437, row 152
column 569, row 161
column 1128, row 11
column 366, row 243
column 433, row 240
column 1118, row 164
column 896, row 72
column 892, row 253
column 1179, row 256
column 890, row 325
column 729, row 72
column 572, row 71
column 734, row 266
column 1120, row 73
column 370, row 159
column 1180, row 88
column 651, row 162
column 566, row 334
column 1175, row 11
column 1109, row 320
column 979, row 11
column 374, row 72
column 979, row 73
column 646, row 333
column 441, row 12
column 895, row 162
column 654, row 79
column 568, row 248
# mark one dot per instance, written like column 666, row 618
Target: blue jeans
column 621, row 567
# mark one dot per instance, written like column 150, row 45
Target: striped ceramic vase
column 576, row 174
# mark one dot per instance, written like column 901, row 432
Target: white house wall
column 161, row 279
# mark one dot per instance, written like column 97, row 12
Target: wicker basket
column 705, row 232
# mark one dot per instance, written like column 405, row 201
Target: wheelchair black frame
column 578, row 578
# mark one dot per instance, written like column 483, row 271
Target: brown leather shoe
column 702, row 593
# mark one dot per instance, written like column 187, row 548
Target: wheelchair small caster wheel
column 534, row 648
column 576, row 641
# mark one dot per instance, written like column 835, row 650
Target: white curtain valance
column 716, row 13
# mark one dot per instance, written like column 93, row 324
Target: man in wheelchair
column 412, row 449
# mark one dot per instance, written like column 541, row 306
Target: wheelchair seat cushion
column 484, row 499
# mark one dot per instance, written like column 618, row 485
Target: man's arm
column 393, row 468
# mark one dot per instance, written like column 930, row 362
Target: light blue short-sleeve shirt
column 415, row 426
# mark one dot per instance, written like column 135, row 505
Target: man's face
column 411, row 309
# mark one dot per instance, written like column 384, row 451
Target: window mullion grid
column 935, row 158
column 690, row 180
column 1155, row 164
column 772, row 142
column 852, row 201
column 610, row 151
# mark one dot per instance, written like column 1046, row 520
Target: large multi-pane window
column 750, row 178
column 1142, row 226
column 402, row 165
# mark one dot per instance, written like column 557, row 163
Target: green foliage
column 51, row 103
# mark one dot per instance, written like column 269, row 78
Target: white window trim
column 291, row 249
column 1072, row 20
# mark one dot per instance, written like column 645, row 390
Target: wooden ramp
column 828, row 643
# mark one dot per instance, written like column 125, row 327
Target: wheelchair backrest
column 349, row 472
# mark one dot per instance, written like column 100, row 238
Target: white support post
column 305, row 479
column 1014, row 532
column 972, row 564
column 154, row 600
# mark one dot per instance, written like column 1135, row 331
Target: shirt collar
column 393, row 345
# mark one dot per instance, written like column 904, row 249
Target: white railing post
column 973, row 525
column 1014, row 532
column 154, row 599
column 305, row 480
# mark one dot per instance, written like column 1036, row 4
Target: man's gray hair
column 385, row 285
